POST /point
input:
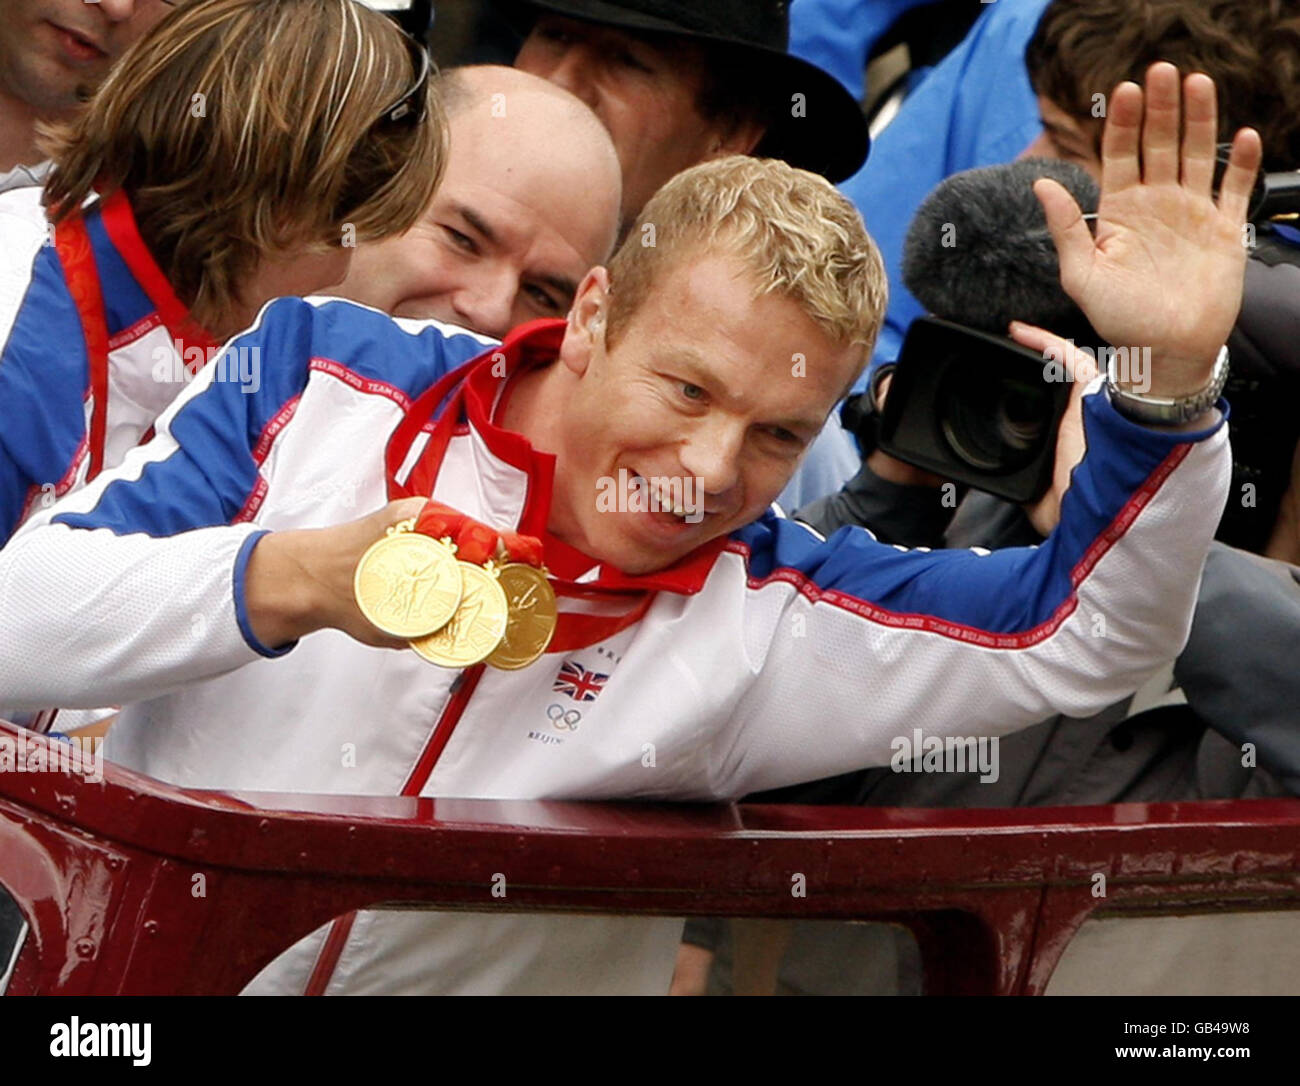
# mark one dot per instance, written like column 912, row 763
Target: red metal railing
column 108, row 873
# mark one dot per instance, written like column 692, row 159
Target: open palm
column 1165, row 269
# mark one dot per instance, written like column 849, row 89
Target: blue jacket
column 838, row 35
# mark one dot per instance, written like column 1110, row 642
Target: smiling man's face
column 529, row 202
column 705, row 384
column 54, row 53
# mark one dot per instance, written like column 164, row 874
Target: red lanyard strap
column 119, row 224
column 72, row 244
column 578, row 629
column 523, row 548
column 475, row 541
column 76, row 256
column 419, row 483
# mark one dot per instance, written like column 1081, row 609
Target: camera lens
column 995, row 422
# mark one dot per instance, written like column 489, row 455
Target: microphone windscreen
column 978, row 251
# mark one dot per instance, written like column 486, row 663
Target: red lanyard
column 574, row 629
column 72, row 243
column 419, row 483
column 76, row 255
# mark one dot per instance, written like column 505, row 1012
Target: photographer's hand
column 890, row 468
column 1166, row 267
column 1080, row 367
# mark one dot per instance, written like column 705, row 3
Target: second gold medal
column 478, row 625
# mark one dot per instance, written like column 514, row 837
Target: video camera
column 969, row 404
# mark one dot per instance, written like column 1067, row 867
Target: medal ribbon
column 76, row 255
column 72, row 244
column 419, row 483
column 574, row 629
column 475, row 541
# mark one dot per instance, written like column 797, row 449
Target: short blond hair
column 244, row 129
column 791, row 229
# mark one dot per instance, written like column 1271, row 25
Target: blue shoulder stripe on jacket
column 1010, row 591
column 43, row 377
column 410, row 355
column 208, row 478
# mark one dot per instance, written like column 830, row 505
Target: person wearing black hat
column 679, row 82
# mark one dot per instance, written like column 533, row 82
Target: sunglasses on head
column 410, row 107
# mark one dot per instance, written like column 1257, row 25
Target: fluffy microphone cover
column 978, row 251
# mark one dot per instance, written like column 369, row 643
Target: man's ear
column 585, row 335
column 739, row 138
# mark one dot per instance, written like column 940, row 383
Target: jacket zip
column 336, row 939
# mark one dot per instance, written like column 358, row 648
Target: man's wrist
column 278, row 597
column 901, row 473
column 1176, row 395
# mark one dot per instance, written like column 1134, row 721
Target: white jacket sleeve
column 90, row 618
column 854, row 644
column 134, row 585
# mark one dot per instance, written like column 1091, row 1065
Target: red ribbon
column 574, row 630
column 475, row 541
column 73, row 246
column 72, row 243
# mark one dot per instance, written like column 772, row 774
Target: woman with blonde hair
column 235, row 154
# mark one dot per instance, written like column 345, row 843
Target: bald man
column 530, row 201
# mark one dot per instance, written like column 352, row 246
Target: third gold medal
column 531, row 622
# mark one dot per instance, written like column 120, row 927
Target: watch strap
column 1164, row 411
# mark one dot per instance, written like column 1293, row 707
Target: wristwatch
column 1160, row 411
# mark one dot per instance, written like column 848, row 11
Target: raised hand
column 1166, row 267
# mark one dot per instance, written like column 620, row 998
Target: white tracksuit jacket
column 786, row 658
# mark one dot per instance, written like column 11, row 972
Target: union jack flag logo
column 579, row 683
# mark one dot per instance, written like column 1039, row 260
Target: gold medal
column 476, row 628
column 531, row 621
column 407, row 584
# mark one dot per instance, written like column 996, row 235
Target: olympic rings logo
column 564, row 720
